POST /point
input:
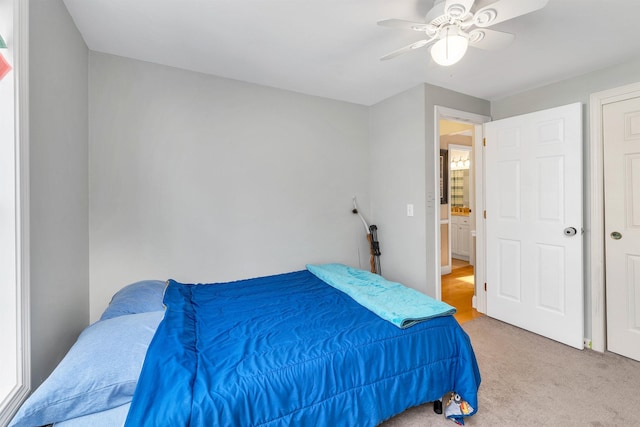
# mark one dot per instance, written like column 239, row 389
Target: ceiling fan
column 453, row 25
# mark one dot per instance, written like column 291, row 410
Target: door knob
column 616, row 236
column 570, row 231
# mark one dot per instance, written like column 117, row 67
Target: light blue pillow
column 114, row 417
column 99, row 372
column 139, row 297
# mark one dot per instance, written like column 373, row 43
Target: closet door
column 621, row 132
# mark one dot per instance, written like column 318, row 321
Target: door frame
column 446, row 113
column 596, row 239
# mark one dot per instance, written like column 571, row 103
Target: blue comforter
column 290, row 350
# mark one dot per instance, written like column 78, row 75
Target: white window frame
column 9, row 404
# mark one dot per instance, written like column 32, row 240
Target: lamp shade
column 450, row 48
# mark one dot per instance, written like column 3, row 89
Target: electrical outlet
column 587, row 343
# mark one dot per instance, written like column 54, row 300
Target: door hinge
column 484, row 214
column 485, row 286
column 484, row 142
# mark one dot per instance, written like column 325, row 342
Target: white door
column 621, row 133
column 533, row 206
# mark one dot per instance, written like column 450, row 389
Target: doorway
column 504, row 135
column 445, row 116
column 457, row 221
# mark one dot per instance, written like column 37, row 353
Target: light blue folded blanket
column 392, row 301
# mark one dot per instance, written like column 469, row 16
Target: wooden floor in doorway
column 457, row 290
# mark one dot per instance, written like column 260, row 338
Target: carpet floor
column 529, row 380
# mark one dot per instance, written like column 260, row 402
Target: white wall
column 205, row 179
column 59, row 229
column 565, row 92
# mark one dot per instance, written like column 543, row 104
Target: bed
column 322, row 346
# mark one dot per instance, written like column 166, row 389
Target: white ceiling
column 331, row 48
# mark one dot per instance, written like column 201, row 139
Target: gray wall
column 567, row 91
column 200, row 178
column 403, row 166
column 577, row 89
column 59, row 184
column 397, row 144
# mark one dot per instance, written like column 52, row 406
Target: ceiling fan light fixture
column 450, row 48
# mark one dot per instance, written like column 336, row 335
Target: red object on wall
column 4, row 67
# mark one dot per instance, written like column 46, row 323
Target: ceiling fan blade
column 503, row 10
column 458, row 8
column 403, row 24
column 412, row 46
column 489, row 39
